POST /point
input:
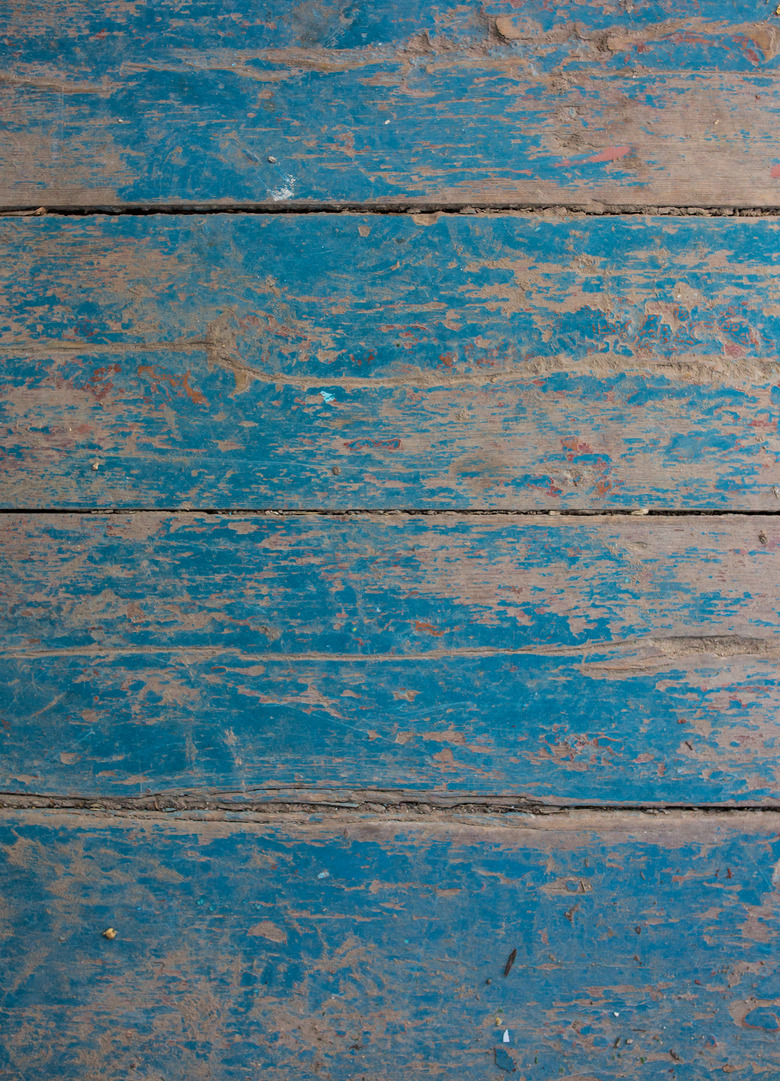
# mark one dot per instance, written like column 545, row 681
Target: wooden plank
column 448, row 103
column 321, row 361
column 615, row 660
column 346, row 948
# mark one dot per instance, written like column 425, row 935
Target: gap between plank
column 587, row 209
column 410, row 512
column 377, row 803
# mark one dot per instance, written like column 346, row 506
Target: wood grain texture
column 449, row 102
column 368, row 361
column 617, row 660
column 350, row 949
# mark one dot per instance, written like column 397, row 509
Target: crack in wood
column 588, row 209
column 410, row 512
column 433, row 380
column 657, row 652
column 379, row 803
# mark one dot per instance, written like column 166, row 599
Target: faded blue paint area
column 613, row 727
column 119, row 433
column 377, row 950
column 79, row 33
column 616, row 726
column 627, row 660
column 464, row 295
column 380, row 585
column 328, row 368
column 380, row 102
column 131, row 150
column 763, row 1019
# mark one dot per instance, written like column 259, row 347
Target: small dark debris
column 509, row 962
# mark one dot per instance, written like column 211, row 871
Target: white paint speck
column 286, row 191
column 328, row 397
column 506, row 1035
column 324, row 874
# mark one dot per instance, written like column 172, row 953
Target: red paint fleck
column 774, row 172
column 446, row 360
column 99, row 382
column 611, row 153
column 358, row 362
column 178, row 384
column 546, row 484
column 424, row 627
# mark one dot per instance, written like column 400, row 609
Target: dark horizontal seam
column 411, row 512
column 379, row 803
column 585, row 209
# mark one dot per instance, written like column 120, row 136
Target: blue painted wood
column 77, row 33
column 618, row 660
column 455, row 102
column 369, row 361
column 205, row 660
column 281, row 948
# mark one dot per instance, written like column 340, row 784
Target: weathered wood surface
column 620, row 660
column 369, row 361
column 450, row 103
column 354, row 949
column 407, row 665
